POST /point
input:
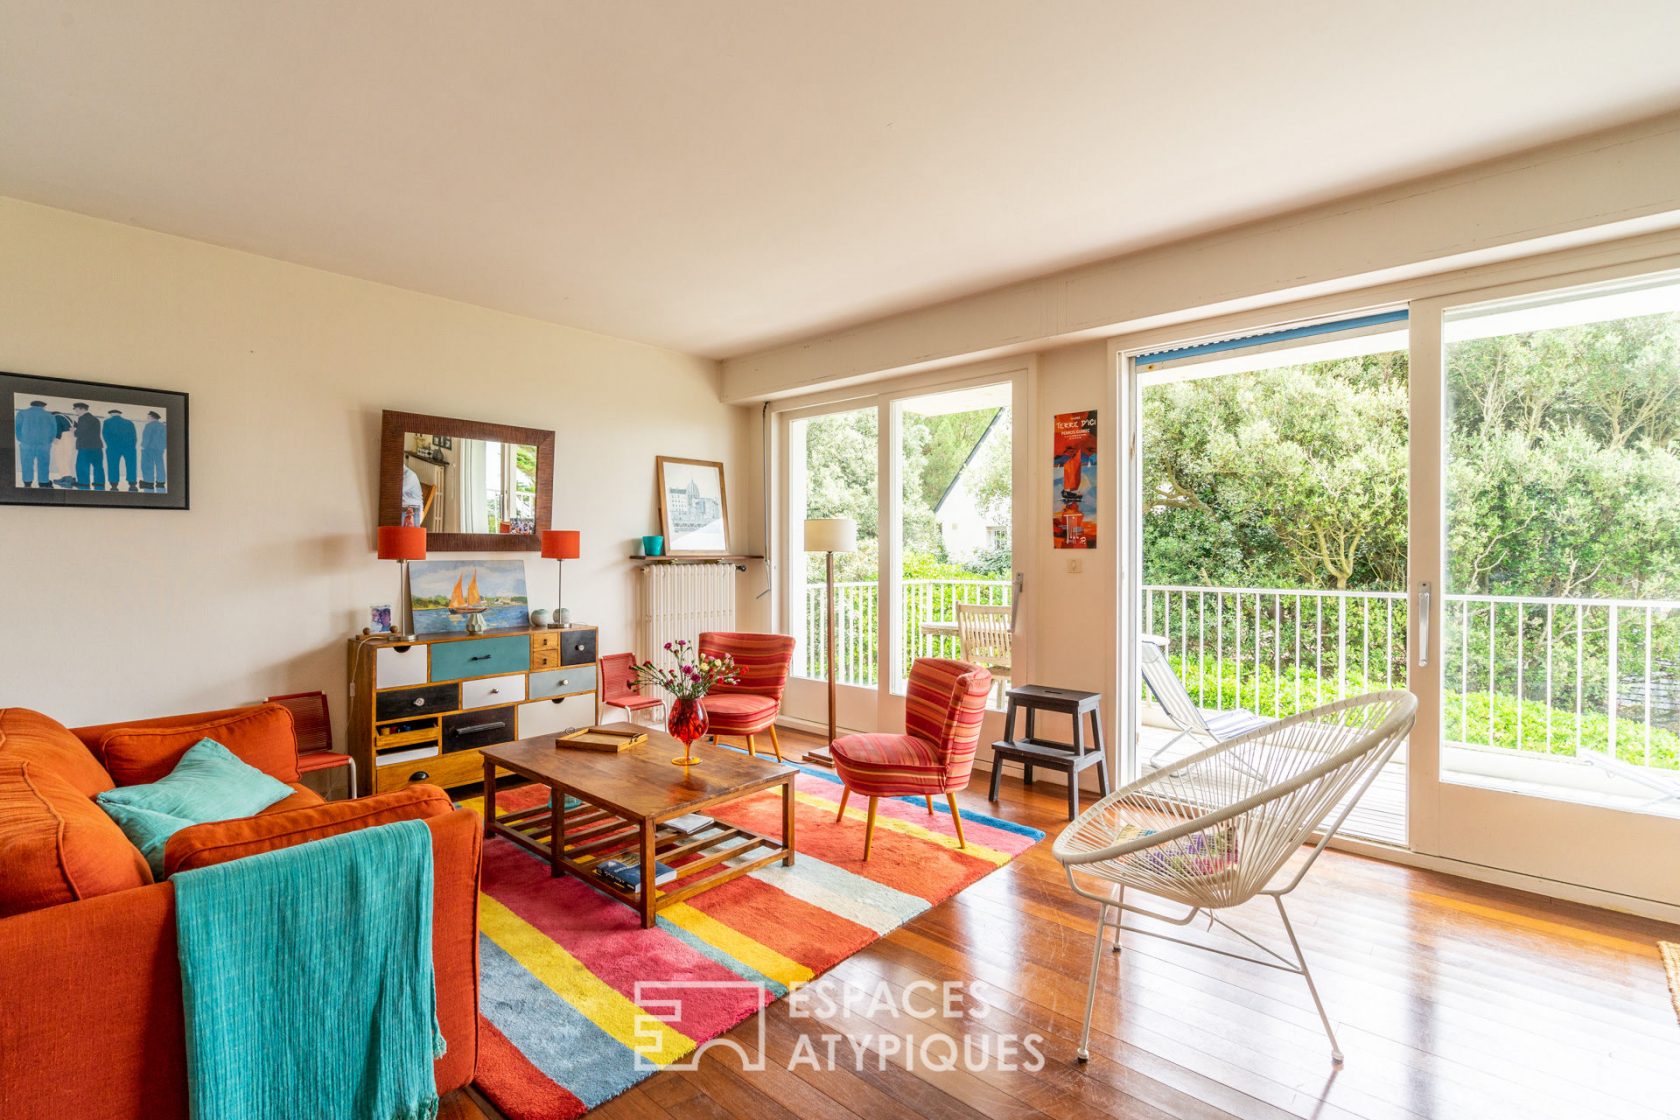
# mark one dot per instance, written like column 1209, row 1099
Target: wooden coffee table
column 626, row 797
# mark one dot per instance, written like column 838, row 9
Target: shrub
column 1268, row 693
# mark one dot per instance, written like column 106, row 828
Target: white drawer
column 490, row 691
column 397, row 666
column 550, row 717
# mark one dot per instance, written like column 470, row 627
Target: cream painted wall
column 1072, row 630
column 112, row 614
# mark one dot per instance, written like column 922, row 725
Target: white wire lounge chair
column 1664, row 783
column 1208, row 724
column 1219, row 828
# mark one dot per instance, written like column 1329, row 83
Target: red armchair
column 750, row 706
column 942, row 714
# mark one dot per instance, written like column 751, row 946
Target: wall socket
column 1075, row 565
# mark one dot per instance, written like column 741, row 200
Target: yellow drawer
column 392, row 740
column 546, row 639
column 453, row 769
column 545, row 658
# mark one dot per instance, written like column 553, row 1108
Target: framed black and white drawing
column 88, row 443
column 693, row 509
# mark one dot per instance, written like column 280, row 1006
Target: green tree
column 1563, row 466
column 1291, row 477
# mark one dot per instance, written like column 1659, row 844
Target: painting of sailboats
column 447, row 594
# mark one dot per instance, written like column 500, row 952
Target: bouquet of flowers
column 695, row 674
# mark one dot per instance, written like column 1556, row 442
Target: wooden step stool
column 1048, row 754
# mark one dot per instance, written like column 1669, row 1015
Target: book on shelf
column 629, row 875
column 689, row 823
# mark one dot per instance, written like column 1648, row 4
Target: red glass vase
column 686, row 723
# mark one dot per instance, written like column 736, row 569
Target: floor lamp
column 829, row 535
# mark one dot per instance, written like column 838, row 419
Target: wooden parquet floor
column 1452, row 999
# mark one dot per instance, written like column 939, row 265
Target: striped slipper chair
column 942, row 713
column 748, row 707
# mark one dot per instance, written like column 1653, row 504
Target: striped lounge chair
column 748, row 707
column 942, row 714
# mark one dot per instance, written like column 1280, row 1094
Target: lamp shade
column 830, row 534
column 561, row 544
column 402, row 542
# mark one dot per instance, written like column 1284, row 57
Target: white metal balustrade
column 930, row 623
column 1526, row 674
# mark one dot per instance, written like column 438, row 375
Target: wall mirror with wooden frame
column 474, row 486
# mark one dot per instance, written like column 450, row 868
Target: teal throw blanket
column 306, row 975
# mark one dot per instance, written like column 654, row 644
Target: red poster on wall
column 1075, row 485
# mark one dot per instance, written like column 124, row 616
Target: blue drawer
column 562, row 682
column 480, row 657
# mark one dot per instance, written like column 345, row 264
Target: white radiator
column 680, row 601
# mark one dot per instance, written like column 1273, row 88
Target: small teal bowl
column 653, row 546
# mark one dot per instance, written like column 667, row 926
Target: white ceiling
column 724, row 175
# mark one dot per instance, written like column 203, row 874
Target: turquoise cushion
column 208, row 784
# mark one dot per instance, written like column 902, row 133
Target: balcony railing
column 1545, row 675
column 930, row 620
column 1556, row 676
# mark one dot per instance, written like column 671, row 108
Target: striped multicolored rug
column 563, row 966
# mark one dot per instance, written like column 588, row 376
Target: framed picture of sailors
column 87, row 443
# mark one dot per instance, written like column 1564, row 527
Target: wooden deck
column 1379, row 816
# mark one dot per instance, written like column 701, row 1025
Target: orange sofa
column 90, row 985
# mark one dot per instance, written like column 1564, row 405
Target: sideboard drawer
column 408, row 702
column 545, row 639
column 480, row 657
column 562, row 682
column 550, row 717
column 577, row 647
column 493, row 690
column 481, row 728
column 397, row 666
column 445, row 770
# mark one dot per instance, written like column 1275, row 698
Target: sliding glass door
column 1272, row 475
column 1476, row 498
column 955, row 456
column 832, row 470
column 1552, row 548
column 928, row 471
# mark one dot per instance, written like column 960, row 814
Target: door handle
column 1424, row 599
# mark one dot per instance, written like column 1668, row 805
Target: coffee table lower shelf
column 589, row 835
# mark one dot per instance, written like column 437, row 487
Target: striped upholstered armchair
column 942, row 714
column 749, row 707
